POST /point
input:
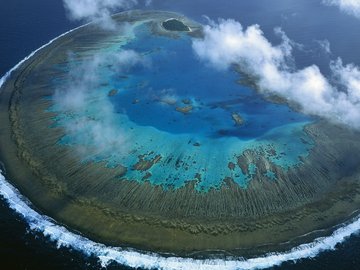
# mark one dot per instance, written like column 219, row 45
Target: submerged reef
column 169, row 165
column 185, row 110
column 113, row 92
column 237, row 119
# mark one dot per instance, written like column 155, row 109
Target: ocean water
column 25, row 25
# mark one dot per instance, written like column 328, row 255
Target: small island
column 175, row 25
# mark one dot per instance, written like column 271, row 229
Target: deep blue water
column 176, row 74
column 25, row 25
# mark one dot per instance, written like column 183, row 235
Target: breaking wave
column 106, row 254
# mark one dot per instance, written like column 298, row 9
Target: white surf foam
column 106, row 254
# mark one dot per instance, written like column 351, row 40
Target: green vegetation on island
column 175, row 25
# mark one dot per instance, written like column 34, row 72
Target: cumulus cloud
column 351, row 7
column 84, row 109
column 96, row 10
column 348, row 77
column 228, row 43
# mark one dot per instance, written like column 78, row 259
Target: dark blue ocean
column 26, row 25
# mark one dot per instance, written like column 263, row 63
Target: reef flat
column 213, row 179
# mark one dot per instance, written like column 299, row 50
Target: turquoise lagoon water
column 182, row 109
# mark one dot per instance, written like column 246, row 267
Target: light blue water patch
column 177, row 121
column 270, row 175
column 252, row 169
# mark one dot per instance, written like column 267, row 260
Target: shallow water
column 145, row 108
column 20, row 250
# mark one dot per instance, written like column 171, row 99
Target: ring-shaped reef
column 126, row 136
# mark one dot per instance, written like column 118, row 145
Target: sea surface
column 26, row 25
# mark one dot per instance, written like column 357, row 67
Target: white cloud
column 349, row 78
column 98, row 10
column 351, row 7
column 85, row 112
column 227, row 43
